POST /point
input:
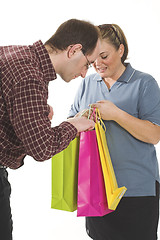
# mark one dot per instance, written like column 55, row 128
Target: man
column 25, row 127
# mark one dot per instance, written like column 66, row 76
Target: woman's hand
column 107, row 109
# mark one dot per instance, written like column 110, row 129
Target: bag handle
column 99, row 119
column 89, row 112
column 93, row 113
column 96, row 114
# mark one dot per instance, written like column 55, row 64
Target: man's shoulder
column 16, row 52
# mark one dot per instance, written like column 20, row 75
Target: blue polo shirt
column 137, row 93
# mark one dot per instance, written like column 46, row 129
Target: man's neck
column 55, row 57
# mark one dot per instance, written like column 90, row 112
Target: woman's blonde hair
column 113, row 34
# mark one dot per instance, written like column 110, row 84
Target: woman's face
column 108, row 64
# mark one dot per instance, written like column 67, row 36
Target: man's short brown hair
column 73, row 32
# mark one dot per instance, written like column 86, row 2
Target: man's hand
column 82, row 123
column 88, row 113
column 51, row 113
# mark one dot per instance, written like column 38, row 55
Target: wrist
column 117, row 114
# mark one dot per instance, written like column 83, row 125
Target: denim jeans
column 5, row 209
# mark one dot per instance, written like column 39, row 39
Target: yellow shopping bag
column 114, row 194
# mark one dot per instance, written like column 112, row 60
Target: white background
column 24, row 22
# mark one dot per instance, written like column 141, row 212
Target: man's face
column 78, row 64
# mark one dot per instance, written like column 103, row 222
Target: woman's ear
column 73, row 49
column 121, row 50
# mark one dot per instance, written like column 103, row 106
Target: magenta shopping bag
column 92, row 199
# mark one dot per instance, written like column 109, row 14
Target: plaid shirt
column 25, row 129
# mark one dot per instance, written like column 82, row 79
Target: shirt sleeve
column 31, row 123
column 149, row 101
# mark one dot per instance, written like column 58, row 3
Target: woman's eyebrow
column 102, row 53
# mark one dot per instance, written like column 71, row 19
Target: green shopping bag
column 65, row 178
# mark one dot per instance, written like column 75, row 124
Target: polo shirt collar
column 45, row 61
column 125, row 77
column 127, row 74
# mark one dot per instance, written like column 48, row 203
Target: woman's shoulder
column 146, row 81
column 144, row 76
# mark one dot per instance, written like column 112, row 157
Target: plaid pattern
column 25, row 129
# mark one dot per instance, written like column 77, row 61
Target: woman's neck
column 109, row 81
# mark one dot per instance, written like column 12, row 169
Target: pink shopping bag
column 92, row 199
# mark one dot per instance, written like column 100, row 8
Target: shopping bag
column 65, row 178
column 92, row 199
column 114, row 194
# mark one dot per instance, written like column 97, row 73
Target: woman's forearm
column 141, row 129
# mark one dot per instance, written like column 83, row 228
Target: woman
column 129, row 103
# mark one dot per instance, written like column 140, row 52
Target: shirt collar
column 125, row 77
column 45, row 61
column 127, row 74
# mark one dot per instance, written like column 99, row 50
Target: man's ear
column 73, row 49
